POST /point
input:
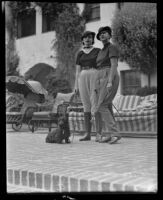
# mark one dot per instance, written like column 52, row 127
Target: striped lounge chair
column 134, row 115
column 137, row 115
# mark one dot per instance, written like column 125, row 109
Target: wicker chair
column 19, row 115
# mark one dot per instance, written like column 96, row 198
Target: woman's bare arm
column 114, row 65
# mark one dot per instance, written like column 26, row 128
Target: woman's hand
column 78, row 70
column 76, row 91
column 109, row 86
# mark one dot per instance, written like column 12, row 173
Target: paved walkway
column 33, row 165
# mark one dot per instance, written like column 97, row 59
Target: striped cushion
column 126, row 121
column 148, row 102
column 133, row 114
column 129, row 102
column 75, row 109
column 152, row 97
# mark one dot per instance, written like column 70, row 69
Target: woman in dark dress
column 106, row 86
column 85, row 74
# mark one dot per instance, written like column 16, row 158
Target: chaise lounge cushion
column 148, row 102
column 127, row 103
column 127, row 115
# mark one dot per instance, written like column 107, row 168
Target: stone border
column 78, row 183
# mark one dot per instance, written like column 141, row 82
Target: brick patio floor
column 33, row 165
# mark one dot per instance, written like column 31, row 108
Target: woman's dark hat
column 105, row 28
column 86, row 33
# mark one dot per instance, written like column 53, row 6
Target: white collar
column 87, row 50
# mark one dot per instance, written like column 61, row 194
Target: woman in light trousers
column 85, row 78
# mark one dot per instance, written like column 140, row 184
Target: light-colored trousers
column 86, row 88
column 102, row 98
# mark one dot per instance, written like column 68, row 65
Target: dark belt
column 87, row 67
column 103, row 67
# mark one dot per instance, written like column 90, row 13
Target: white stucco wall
column 36, row 48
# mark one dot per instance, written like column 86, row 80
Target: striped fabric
column 145, row 121
column 76, row 121
column 137, row 120
column 130, row 121
column 152, row 97
column 13, row 117
column 129, row 102
column 75, row 109
column 11, row 102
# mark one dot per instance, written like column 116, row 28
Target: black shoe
column 85, row 138
column 114, row 139
column 105, row 140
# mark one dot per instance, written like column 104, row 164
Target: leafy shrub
column 57, row 83
column 69, row 27
column 144, row 91
column 135, row 32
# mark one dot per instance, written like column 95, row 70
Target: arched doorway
column 39, row 72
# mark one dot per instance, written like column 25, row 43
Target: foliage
column 135, row 32
column 86, row 12
column 51, row 9
column 144, row 91
column 12, row 62
column 57, row 83
column 12, row 58
column 69, row 28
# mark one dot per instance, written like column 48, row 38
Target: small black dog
column 61, row 133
